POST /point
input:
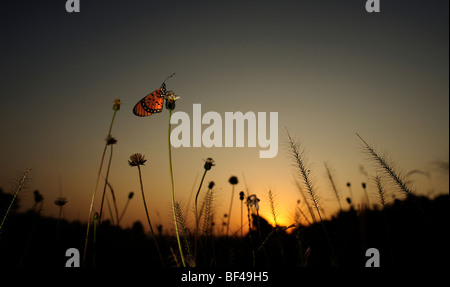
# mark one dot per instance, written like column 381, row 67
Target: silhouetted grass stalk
column 381, row 192
column 116, row 107
column 114, row 202
column 233, row 181
column 148, row 217
column 272, row 208
column 399, row 181
column 333, row 185
column 19, row 187
column 304, row 172
column 197, row 219
column 130, row 196
column 106, row 178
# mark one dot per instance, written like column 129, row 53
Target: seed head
column 111, row 140
column 60, row 201
column 170, row 100
column 252, row 201
column 130, row 195
column 38, row 197
column 233, row 180
column 209, row 162
column 136, row 159
column 116, row 105
column 211, row 184
column 241, row 195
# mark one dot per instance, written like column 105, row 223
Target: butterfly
column 153, row 103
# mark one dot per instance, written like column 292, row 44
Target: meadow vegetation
column 408, row 230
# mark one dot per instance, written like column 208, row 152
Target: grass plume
column 381, row 191
column 333, row 185
column 300, row 162
column 184, row 232
column 20, row 185
column 272, row 207
column 398, row 179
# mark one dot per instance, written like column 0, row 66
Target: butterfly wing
column 151, row 104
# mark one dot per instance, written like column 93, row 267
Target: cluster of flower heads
column 252, row 201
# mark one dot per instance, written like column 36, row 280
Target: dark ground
column 408, row 233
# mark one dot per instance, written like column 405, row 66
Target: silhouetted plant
column 20, row 186
column 116, row 107
column 233, row 181
column 138, row 159
column 110, row 141
column 130, row 196
column 209, row 163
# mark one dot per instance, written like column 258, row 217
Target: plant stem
column 242, row 217
column 196, row 216
column 173, row 193
column 95, row 190
column 229, row 212
column 123, row 211
column 104, row 187
column 18, row 188
column 148, row 216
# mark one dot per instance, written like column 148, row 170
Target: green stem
column 95, row 190
column 19, row 187
column 173, row 193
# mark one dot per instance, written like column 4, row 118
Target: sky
column 329, row 69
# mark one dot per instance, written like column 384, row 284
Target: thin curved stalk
column 173, row 193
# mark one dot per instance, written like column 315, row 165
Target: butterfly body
column 152, row 103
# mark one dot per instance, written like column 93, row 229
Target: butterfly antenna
column 169, row 77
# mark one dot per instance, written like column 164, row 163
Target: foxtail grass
column 333, row 185
column 387, row 167
column 381, row 191
column 209, row 163
column 300, row 162
column 20, row 186
column 184, row 233
column 272, row 207
column 302, row 194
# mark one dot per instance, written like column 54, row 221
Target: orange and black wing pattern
column 151, row 104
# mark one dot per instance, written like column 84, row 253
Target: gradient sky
column 328, row 68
